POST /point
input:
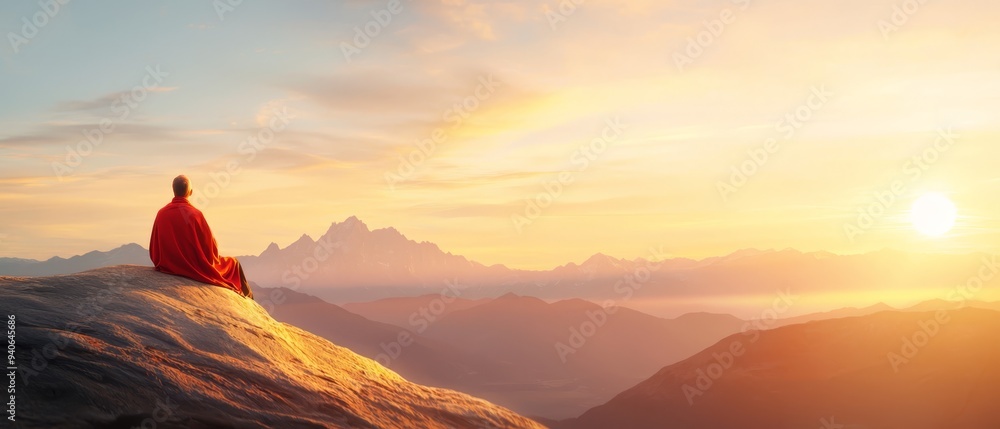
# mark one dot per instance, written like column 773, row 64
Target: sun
column 933, row 215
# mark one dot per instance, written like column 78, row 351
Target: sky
column 527, row 133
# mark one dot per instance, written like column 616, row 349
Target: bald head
column 182, row 186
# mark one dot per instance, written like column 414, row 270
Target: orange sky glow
column 513, row 132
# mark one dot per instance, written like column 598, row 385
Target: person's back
column 182, row 244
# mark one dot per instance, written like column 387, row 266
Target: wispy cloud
column 357, row 121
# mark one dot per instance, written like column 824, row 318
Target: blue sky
column 560, row 76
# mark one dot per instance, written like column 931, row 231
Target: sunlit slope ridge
column 886, row 370
column 118, row 345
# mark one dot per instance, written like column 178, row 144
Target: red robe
column 183, row 245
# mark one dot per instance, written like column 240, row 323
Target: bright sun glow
column 933, row 215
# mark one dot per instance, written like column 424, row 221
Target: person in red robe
column 182, row 244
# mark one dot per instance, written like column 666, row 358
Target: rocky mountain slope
column 889, row 370
column 127, row 346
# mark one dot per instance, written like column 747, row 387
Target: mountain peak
column 271, row 248
column 350, row 226
column 598, row 258
column 304, row 239
column 354, row 223
column 512, row 298
column 132, row 247
column 509, row 295
column 600, row 262
column 228, row 341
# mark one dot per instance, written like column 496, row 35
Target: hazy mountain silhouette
column 941, row 304
column 886, row 370
column 833, row 314
column 505, row 348
column 365, row 265
column 405, row 312
column 539, row 358
column 128, row 346
column 360, row 263
column 351, row 263
column 402, row 350
column 129, row 254
column 600, row 353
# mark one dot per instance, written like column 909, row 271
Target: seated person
column 183, row 245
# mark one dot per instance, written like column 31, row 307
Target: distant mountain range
column 129, row 254
column 504, row 349
column 545, row 360
column 351, row 263
column 572, row 354
column 555, row 360
column 917, row 370
column 420, row 359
